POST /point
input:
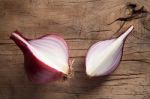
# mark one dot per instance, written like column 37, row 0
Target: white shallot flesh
column 45, row 58
column 104, row 56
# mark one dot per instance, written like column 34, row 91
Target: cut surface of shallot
column 46, row 58
column 104, row 56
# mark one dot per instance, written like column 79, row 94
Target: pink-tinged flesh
column 104, row 56
column 45, row 58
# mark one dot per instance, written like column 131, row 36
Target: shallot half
column 45, row 58
column 104, row 56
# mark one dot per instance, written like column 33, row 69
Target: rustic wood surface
column 81, row 23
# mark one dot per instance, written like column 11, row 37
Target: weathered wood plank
column 81, row 23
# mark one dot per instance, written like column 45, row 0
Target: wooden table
column 82, row 23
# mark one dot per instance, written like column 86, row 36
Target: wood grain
column 81, row 23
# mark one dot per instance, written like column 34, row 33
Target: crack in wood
column 139, row 60
column 128, row 74
column 134, row 13
column 88, row 1
column 138, row 52
column 146, row 28
column 122, row 78
column 99, row 30
column 80, row 39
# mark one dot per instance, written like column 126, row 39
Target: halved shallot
column 104, row 56
column 45, row 58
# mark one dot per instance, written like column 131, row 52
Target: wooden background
column 82, row 23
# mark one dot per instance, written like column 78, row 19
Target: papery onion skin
column 37, row 71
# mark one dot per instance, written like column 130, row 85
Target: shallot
column 45, row 58
column 104, row 56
